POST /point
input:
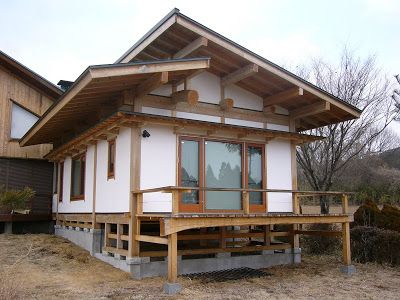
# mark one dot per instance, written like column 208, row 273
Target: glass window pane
column 190, row 170
column 254, row 160
column 76, row 178
column 21, row 121
column 223, row 170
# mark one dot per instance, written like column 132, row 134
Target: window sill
column 77, row 198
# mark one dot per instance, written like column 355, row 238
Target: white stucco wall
column 244, row 123
column 156, row 111
column 277, row 127
column 279, row 175
column 208, row 87
column 158, row 167
column 112, row 195
column 199, row 117
column 243, row 98
column 78, row 206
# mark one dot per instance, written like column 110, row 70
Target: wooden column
column 267, row 235
column 136, row 200
column 346, row 244
column 94, row 187
column 172, row 258
column 175, row 202
column 295, row 198
column 222, row 232
column 345, row 204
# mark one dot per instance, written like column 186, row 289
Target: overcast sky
column 59, row 39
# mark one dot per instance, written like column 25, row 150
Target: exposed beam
column 239, row 75
column 189, row 96
column 152, row 83
column 310, row 110
column 283, row 96
column 226, row 104
column 193, row 46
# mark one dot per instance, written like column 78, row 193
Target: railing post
column 296, row 204
column 175, row 202
column 136, row 206
column 246, row 202
column 345, row 204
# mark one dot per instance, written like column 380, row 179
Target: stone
column 136, row 260
column 348, row 270
column 172, row 288
column 223, row 255
column 268, row 252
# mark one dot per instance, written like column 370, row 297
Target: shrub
column 372, row 244
column 13, row 199
column 320, row 244
column 370, row 215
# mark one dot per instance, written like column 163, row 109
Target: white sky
column 59, row 39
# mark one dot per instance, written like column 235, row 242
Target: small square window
column 111, row 159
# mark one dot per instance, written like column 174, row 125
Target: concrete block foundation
column 90, row 241
column 143, row 267
column 172, row 288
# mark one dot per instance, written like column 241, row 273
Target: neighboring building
column 24, row 98
column 185, row 146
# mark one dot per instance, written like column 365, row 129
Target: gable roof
column 176, row 31
column 102, row 85
column 30, row 76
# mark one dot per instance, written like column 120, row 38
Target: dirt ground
column 48, row 267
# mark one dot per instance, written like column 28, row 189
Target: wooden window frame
column 192, row 207
column 82, row 158
column 13, row 102
column 61, row 181
column 200, row 208
column 111, row 173
column 263, row 206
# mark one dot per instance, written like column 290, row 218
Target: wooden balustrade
column 175, row 192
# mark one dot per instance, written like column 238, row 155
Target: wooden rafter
column 193, row 46
column 283, row 96
column 239, row 75
column 310, row 110
column 152, row 83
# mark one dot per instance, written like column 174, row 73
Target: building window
column 78, row 177
column 61, row 177
column 111, row 159
column 21, row 121
column 218, row 164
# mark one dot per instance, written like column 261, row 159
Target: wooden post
column 345, row 204
column 134, row 227
column 94, row 187
column 172, row 258
column 107, row 230
column 246, row 203
column 175, row 202
column 119, row 232
column 222, row 241
column 296, row 211
column 267, row 235
column 346, row 244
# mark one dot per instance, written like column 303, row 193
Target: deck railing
column 296, row 197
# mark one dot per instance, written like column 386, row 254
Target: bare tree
column 396, row 95
column 360, row 83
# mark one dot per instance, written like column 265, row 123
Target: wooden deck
column 139, row 234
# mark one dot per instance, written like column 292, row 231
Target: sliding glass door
column 223, row 168
column 220, row 164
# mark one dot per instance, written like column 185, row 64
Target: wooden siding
column 36, row 174
column 15, row 89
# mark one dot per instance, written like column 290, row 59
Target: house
column 24, row 98
column 180, row 157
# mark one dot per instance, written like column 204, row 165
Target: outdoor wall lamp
column 145, row 134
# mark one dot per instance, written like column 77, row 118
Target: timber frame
column 106, row 98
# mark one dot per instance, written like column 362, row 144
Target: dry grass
column 54, row 268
